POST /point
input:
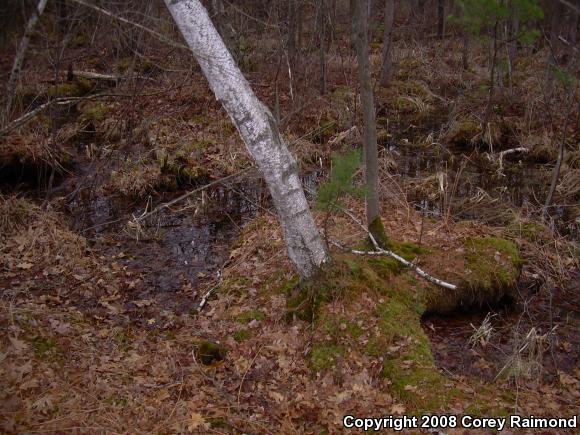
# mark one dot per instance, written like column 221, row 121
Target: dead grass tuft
column 31, row 235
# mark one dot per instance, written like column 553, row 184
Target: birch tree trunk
column 259, row 131
column 360, row 34
column 17, row 65
column 387, row 67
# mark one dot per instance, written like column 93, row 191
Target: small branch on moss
column 380, row 251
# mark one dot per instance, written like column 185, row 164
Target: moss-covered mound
column 380, row 315
column 389, row 331
column 490, row 271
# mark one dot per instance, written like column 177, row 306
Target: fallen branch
column 105, row 77
column 512, row 150
column 380, row 251
column 211, row 290
column 501, row 155
column 63, row 101
column 137, row 219
column 33, row 114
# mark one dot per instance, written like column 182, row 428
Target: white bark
column 17, row 65
column 380, row 251
column 259, row 131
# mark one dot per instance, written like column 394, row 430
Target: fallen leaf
column 24, row 265
column 398, row 408
column 195, row 421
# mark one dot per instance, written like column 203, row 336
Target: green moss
column 493, row 263
column 45, row 348
column 527, row 230
column 408, row 250
column 117, row 401
column 124, row 64
column 410, row 63
column 385, row 267
column 377, row 229
column 94, row 112
column 242, row 335
column 463, row 131
column 202, row 144
column 208, row 352
column 76, row 88
column 302, row 304
column 77, row 41
column 492, row 269
column 340, row 328
column 323, row 356
column 409, row 365
column 288, row 286
column 122, row 340
column 248, row 316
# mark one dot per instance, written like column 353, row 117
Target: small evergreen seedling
column 339, row 183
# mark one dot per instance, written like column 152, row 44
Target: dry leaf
column 195, row 421
column 398, row 408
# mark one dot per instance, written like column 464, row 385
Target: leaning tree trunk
column 17, row 65
column 387, row 67
column 259, row 131
column 360, row 31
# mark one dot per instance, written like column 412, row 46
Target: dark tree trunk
column 440, row 18
column 387, row 64
column 360, row 32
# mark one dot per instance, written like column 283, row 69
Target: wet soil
column 170, row 255
column 555, row 313
column 474, row 189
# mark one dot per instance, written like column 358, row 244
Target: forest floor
column 100, row 303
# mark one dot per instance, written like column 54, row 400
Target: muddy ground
column 101, row 301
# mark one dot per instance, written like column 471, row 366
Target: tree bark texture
column 360, row 32
column 259, row 131
column 440, row 18
column 387, row 55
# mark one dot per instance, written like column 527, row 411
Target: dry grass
column 33, row 236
